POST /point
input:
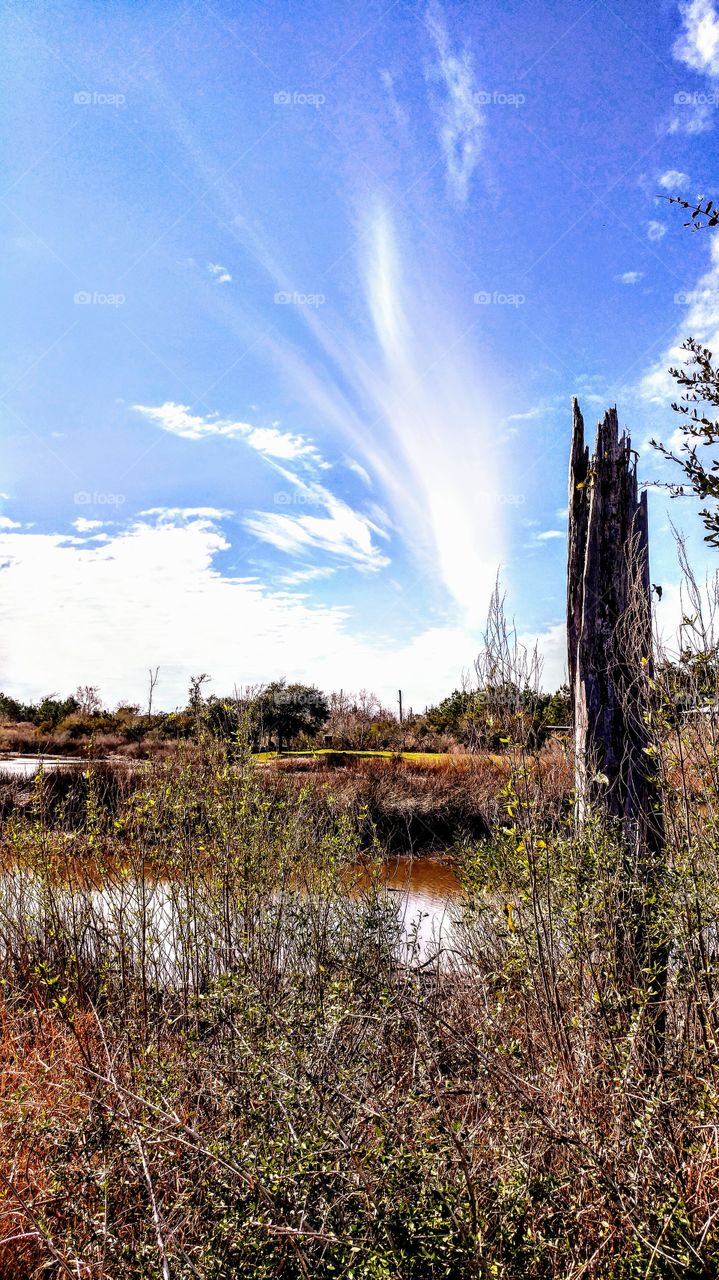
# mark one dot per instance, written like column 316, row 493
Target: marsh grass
column 222, row 1056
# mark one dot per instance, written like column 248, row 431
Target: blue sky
column 297, row 296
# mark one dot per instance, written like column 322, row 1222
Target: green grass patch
column 417, row 756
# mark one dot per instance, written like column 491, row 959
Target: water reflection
column 180, row 929
column 27, row 766
column 425, row 890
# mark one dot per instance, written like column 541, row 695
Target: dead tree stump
column 609, row 635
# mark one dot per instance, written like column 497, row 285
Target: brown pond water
column 424, row 880
column 425, row 889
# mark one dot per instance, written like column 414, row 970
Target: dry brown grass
column 294, row 1097
column 432, row 803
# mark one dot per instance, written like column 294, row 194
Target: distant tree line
column 283, row 715
column 286, row 715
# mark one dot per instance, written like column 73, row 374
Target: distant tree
column 127, row 710
column 456, row 715
column 486, row 718
column 223, row 717
column 287, row 710
column 89, row 702
column 371, row 723
column 151, row 689
column 196, row 700
column 558, row 710
column 14, row 711
column 51, row 710
column 689, row 683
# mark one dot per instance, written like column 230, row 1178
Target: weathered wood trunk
column 610, row 664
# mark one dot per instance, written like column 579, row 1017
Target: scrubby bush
column 222, row 1056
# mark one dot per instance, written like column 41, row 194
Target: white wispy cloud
column 170, row 515
column 656, row 230
column 408, row 386
column 359, row 470
column 698, row 45
column 220, row 273
column 460, row 120
column 7, row 523
column 83, row 525
column 387, row 390
column 697, row 48
column 400, row 113
column 673, row 179
column 337, row 530
column 549, row 535
column 539, row 411
column 629, row 277
column 297, row 577
column 270, row 441
column 698, row 318
column 693, row 117
column 551, row 644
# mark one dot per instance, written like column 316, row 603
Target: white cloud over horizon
column 152, row 594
